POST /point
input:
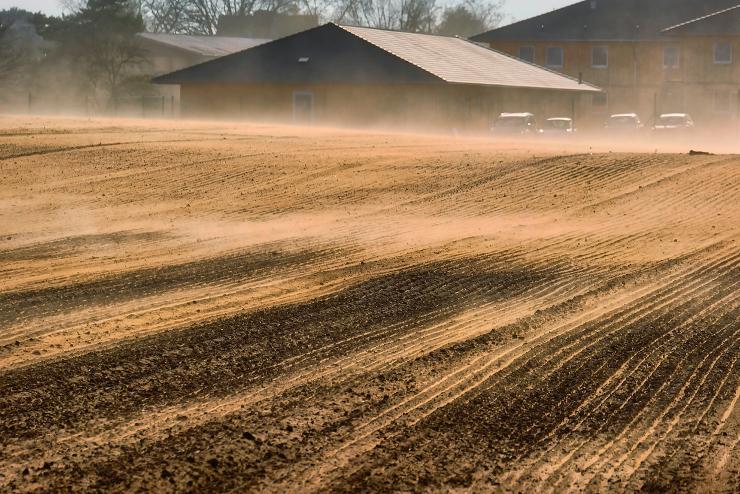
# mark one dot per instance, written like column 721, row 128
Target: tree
column 166, row 16
column 21, row 47
column 470, row 17
column 403, row 15
column 424, row 16
column 417, row 16
column 101, row 40
column 201, row 16
column 11, row 58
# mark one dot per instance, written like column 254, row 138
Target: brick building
column 650, row 56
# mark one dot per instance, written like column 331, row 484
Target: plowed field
column 202, row 307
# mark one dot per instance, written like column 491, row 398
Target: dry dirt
column 203, row 307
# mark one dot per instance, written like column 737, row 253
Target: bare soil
column 198, row 307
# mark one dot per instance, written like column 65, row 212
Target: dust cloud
column 209, row 306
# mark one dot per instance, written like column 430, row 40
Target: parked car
column 670, row 124
column 624, row 122
column 558, row 127
column 515, row 124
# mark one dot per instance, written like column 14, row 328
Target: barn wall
column 432, row 107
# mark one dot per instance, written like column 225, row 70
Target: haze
column 306, row 257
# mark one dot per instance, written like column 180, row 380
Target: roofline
column 589, row 40
column 183, row 49
column 204, row 36
column 391, row 30
column 428, row 83
column 158, row 80
column 174, row 47
column 520, row 39
column 698, row 19
column 589, row 89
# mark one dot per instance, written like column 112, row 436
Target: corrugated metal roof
column 459, row 61
column 208, row 46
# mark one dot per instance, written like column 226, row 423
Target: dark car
column 515, row 124
column 672, row 124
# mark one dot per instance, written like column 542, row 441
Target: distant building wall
column 641, row 76
column 262, row 24
column 441, row 107
column 162, row 60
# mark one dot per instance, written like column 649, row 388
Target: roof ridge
column 208, row 46
column 697, row 19
column 199, row 36
column 608, row 20
column 371, row 28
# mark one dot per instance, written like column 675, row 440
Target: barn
column 355, row 76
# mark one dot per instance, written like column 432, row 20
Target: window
column 554, row 56
column 722, row 102
column 600, row 102
column 600, row 57
column 526, row 53
column 671, row 57
column 723, row 53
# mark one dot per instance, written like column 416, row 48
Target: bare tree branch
column 166, row 16
column 201, row 16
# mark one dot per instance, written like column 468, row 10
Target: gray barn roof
column 345, row 54
column 606, row 20
column 207, row 46
column 726, row 21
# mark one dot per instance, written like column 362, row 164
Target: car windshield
column 672, row 121
column 509, row 122
column 623, row 121
column 557, row 124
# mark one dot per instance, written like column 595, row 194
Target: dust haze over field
column 212, row 307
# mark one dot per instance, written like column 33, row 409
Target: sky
column 515, row 9
column 522, row 9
